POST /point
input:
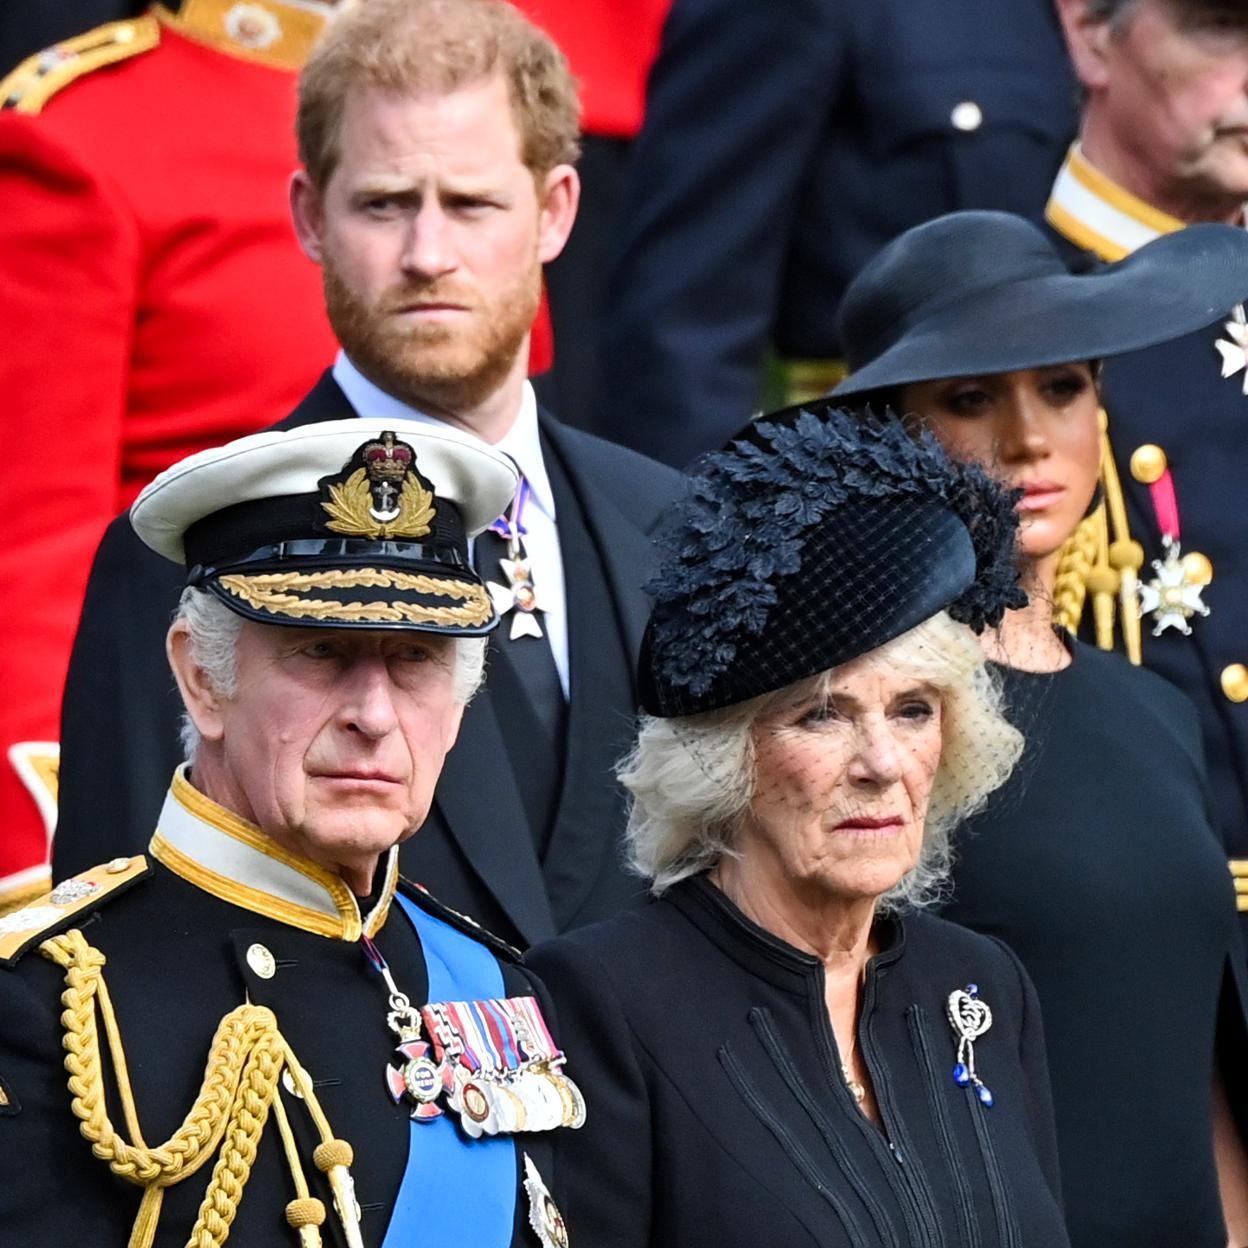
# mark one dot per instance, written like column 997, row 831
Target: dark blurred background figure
column 154, row 302
column 1163, row 144
column 784, row 143
column 610, row 45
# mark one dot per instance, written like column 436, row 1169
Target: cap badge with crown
column 382, row 496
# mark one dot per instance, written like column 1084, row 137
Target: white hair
column 213, row 631
column 692, row 778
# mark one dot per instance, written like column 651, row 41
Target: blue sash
column 455, row 1190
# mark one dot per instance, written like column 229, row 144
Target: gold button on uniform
column 967, row 116
column 261, row 961
column 116, row 866
column 1235, row 682
column 1148, row 462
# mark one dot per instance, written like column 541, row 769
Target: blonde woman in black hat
column 782, row 1048
column 1097, row 863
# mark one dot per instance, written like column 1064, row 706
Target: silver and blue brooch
column 970, row 1018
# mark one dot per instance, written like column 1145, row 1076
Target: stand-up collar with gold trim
column 215, row 850
column 279, row 33
column 1097, row 214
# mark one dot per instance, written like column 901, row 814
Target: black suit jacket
column 785, row 142
column 119, row 720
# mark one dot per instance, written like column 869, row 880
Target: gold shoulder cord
column 1090, row 562
column 241, row 1085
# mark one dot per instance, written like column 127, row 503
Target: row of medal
column 493, row 1063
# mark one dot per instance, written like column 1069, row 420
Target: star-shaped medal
column 518, row 595
column 1172, row 597
column 1235, row 353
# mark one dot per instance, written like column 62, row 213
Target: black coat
column 785, row 142
column 121, row 711
column 176, row 964
column 1097, row 865
column 718, row 1114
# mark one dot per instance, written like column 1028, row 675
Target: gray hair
column 213, row 631
column 692, row 778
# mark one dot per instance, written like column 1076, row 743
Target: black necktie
column 528, row 699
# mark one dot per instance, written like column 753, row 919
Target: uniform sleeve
column 42, row 1152
column 1035, row 1064
column 604, row 1169
column 69, row 258
column 737, row 102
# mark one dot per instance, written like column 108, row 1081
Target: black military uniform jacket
column 219, row 918
column 475, row 851
column 784, row 144
column 1174, row 401
column 720, row 1116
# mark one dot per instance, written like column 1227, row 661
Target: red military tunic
column 153, row 301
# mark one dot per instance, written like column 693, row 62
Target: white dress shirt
column 522, row 443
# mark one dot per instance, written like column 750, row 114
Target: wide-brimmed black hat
column 341, row 524
column 815, row 537
column 976, row 293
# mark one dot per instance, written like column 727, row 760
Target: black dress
column 718, row 1115
column 1098, row 866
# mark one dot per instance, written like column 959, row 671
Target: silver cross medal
column 1172, row 597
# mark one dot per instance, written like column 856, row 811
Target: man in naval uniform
column 437, row 138
column 271, row 1035
column 1164, row 144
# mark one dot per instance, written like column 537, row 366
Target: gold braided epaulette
column 29, row 87
column 70, row 899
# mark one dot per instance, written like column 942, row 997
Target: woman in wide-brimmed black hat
column 1097, row 863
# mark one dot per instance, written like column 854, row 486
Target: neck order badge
column 519, row 595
